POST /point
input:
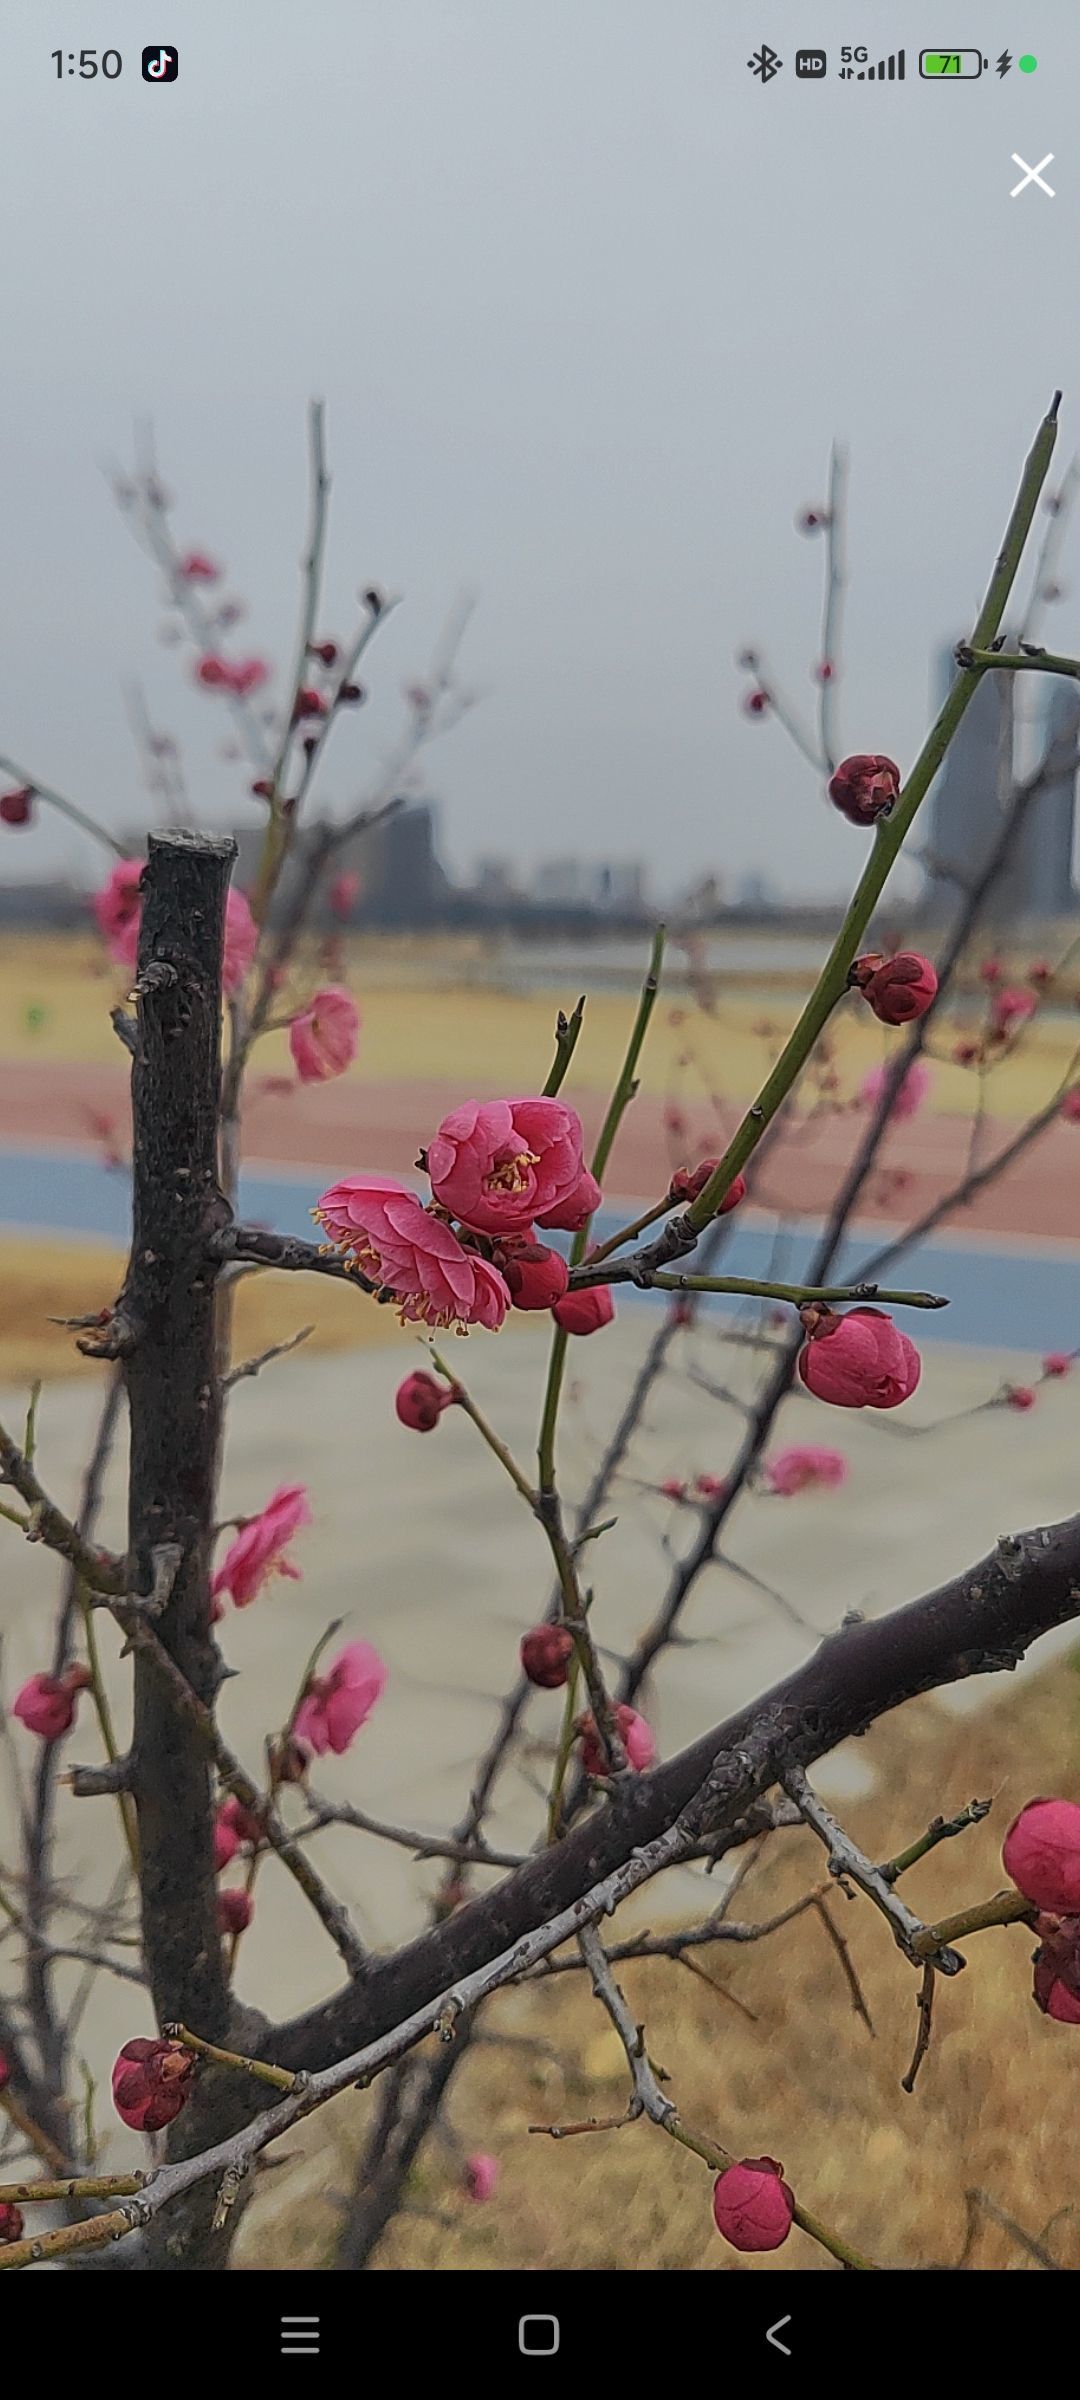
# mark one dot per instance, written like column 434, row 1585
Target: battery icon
column 951, row 64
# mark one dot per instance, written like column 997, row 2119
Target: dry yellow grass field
column 775, row 2060
column 429, row 1009
column 43, row 1280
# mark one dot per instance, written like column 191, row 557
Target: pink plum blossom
column 336, row 1704
column 323, row 1036
column 859, row 1360
column 804, row 1467
column 910, row 1095
column 258, row 1552
column 400, row 1245
column 498, row 1164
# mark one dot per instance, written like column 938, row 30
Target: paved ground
column 420, row 1545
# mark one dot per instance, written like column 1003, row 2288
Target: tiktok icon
column 160, row 65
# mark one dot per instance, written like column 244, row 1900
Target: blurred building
column 608, row 887
column 972, row 792
column 401, row 882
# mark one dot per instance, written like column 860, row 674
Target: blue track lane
column 1006, row 1296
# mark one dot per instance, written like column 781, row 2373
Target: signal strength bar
column 887, row 70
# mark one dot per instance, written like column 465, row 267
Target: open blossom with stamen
column 412, row 1253
column 150, row 2083
column 804, row 1468
column 498, row 1164
column 336, row 1704
column 858, row 1360
column 323, row 1036
column 46, row 1703
column 258, row 1552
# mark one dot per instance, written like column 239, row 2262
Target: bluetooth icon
column 765, row 63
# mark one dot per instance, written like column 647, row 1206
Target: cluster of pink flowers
column 118, row 910
column 1041, row 1852
column 858, row 1360
column 498, row 1170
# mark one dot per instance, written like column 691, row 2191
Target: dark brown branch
column 981, row 1622
column 174, row 1403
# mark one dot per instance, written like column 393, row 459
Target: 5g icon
column 160, row 64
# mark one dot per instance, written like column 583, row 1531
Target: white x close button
column 1032, row 175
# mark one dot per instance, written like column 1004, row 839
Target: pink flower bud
column 1040, row 971
column 991, row 970
column 865, row 787
column 1019, row 1396
column 1041, row 1852
column 673, row 1488
column 586, row 1311
column 226, row 1841
column 46, row 1703
column 327, row 651
column 309, row 702
column 636, row 1735
column 803, row 1468
column 235, row 1909
column 241, row 1821
column 351, row 695
column 824, row 671
column 419, row 1401
column 263, row 789
column 150, row 2082
column 1011, row 1007
column 17, row 806
column 688, row 1183
column 11, row 2222
column 344, row 890
column 1070, row 1106
column 811, row 520
column 249, row 675
column 546, row 1653
column 756, row 702
column 966, row 1053
column 481, row 2175
column 535, row 1276
column 1058, row 1362
column 897, row 989
column 196, row 567
column 752, row 2205
column 213, row 672
column 860, row 1360
column 710, row 1487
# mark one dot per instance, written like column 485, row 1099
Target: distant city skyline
column 587, row 306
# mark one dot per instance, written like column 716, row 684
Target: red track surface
column 346, row 1126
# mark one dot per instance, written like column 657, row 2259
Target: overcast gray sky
column 586, row 304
